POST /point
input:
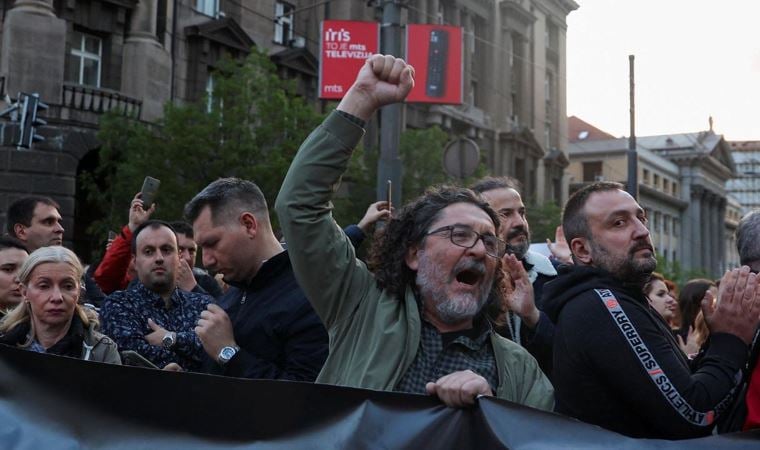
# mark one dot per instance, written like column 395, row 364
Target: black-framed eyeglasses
column 466, row 237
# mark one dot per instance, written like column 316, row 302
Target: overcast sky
column 694, row 59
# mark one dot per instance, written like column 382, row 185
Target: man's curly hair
column 387, row 257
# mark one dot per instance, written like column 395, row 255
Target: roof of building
column 744, row 146
column 580, row 130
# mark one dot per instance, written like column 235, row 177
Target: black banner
column 54, row 402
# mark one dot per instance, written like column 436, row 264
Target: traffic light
column 30, row 106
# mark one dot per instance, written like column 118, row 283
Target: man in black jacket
column 263, row 327
column 615, row 362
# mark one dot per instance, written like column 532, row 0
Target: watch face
column 227, row 353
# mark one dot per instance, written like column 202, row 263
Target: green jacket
column 374, row 337
column 99, row 347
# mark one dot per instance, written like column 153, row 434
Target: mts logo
column 342, row 35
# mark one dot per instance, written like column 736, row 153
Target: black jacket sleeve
column 540, row 341
column 355, row 234
column 302, row 342
column 648, row 373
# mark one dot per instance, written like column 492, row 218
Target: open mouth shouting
column 469, row 273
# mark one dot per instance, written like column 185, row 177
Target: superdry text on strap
column 657, row 375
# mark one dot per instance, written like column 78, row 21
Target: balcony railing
column 100, row 100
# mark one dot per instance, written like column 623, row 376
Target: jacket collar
column 537, row 264
column 270, row 269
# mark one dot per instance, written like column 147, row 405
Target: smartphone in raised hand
column 149, row 191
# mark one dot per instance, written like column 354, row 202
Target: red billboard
column 435, row 51
column 346, row 45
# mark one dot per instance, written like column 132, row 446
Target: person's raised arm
column 322, row 256
column 382, row 80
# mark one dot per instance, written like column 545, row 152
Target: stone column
column 706, row 236
column 525, row 89
column 422, row 12
column 146, row 68
column 504, row 73
column 433, row 10
column 717, row 236
column 691, row 254
column 720, row 243
column 34, row 50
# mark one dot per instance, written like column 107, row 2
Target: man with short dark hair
column 415, row 323
column 154, row 317
column 35, row 221
column 12, row 256
column 616, row 363
column 113, row 272
column 263, row 327
column 189, row 276
column 527, row 324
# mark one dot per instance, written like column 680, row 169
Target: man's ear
column 20, row 231
column 411, row 258
column 581, row 250
column 249, row 222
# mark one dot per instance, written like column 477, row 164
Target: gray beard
column 432, row 282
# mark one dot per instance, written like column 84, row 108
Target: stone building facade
column 86, row 57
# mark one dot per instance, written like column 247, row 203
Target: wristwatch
column 226, row 354
column 169, row 340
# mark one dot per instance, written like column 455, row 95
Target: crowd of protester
column 450, row 301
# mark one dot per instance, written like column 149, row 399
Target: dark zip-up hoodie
column 617, row 365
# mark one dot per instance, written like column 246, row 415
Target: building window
column 547, row 135
column 666, row 224
column 283, row 23
column 676, row 230
column 208, row 7
column 656, row 181
column 675, row 189
column 592, row 171
column 665, row 185
column 85, row 59
column 646, row 176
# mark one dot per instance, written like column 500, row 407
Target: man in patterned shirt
column 153, row 317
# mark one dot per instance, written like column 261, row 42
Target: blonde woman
column 50, row 318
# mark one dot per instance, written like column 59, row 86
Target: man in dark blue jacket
column 263, row 327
